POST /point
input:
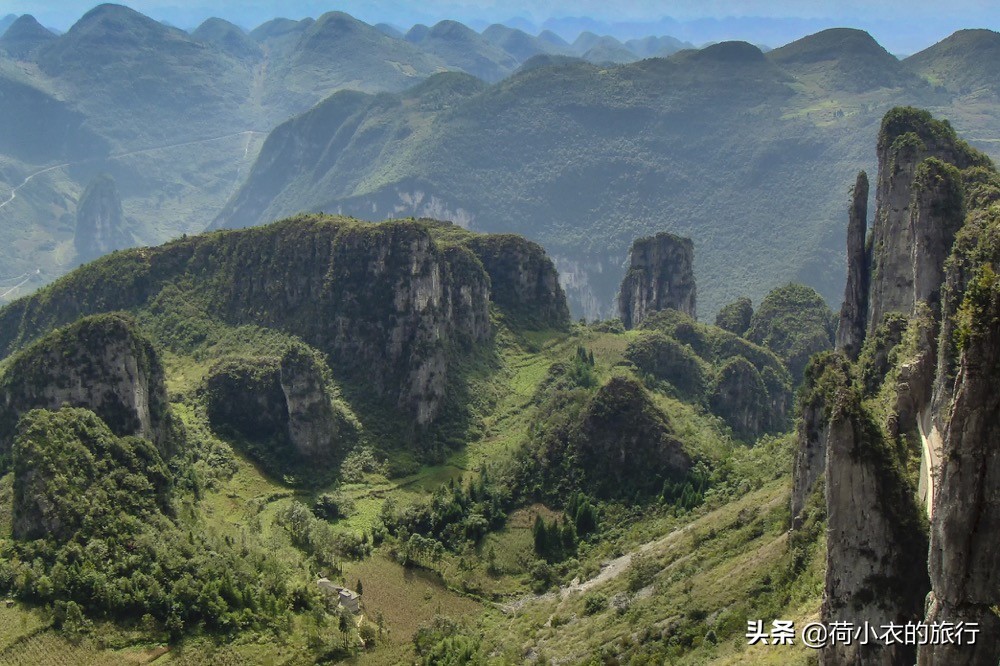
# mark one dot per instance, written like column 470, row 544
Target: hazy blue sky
column 900, row 25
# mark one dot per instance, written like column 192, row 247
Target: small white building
column 346, row 598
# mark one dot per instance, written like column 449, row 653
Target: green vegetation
column 794, row 322
column 906, row 123
column 558, row 449
column 745, row 384
column 92, row 519
column 736, row 317
column 679, row 122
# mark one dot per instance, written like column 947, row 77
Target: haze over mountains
column 729, row 145
column 424, row 371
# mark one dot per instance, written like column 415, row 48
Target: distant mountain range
column 499, row 129
column 728, row 145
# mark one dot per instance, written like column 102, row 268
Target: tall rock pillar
column 660, row 277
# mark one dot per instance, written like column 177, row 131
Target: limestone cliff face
column 854, row 312
column 100, row 226
column 660, row 276
column 929, row 358
column 907, row 213
column 824, row 376
column 390, row 304
column 100, row 363
column 937, row 212
column 965, row 529
column 873, row 528
column 244, row 397
column 312, row 424
column 523, row 280
column 276, row 400
column 384, row 301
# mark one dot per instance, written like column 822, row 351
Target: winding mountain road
column 129, row 153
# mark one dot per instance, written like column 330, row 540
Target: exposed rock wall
column 281, row 400
column 854, row 312
column 101, row 363
column 523, row 280
column 936, row 214
column 388, row 303
column 929, row 358
column 312, row 424
column 823, row 378
column 873, row 529
column 100, row 223
column 965, row 530
column 905, row 214
column 660, row 276
column 244, row 397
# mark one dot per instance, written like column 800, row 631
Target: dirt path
column 610, row 570
column 930, row 440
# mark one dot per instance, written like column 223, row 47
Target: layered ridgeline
column 177, row 117
column 726, row 145
column 192, row 435
column 899, row 425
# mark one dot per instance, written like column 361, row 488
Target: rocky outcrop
column 626, row 444
column 277, row 401
column 854, row 312
column 928, row 363
column 312, row 424
column 965, row 529
column 937, row 212
column 740, row 397
column 735, row 317
column 100, row 223
column 823, row 378
column 523, row 281
column 660, row 276
column 384, row 301
column 905, row 213
column 389, row 305
column 873, row 530
column 244, row 398
column 102, row 363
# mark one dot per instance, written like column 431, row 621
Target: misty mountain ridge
column 210, row 97
column 724, row 142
